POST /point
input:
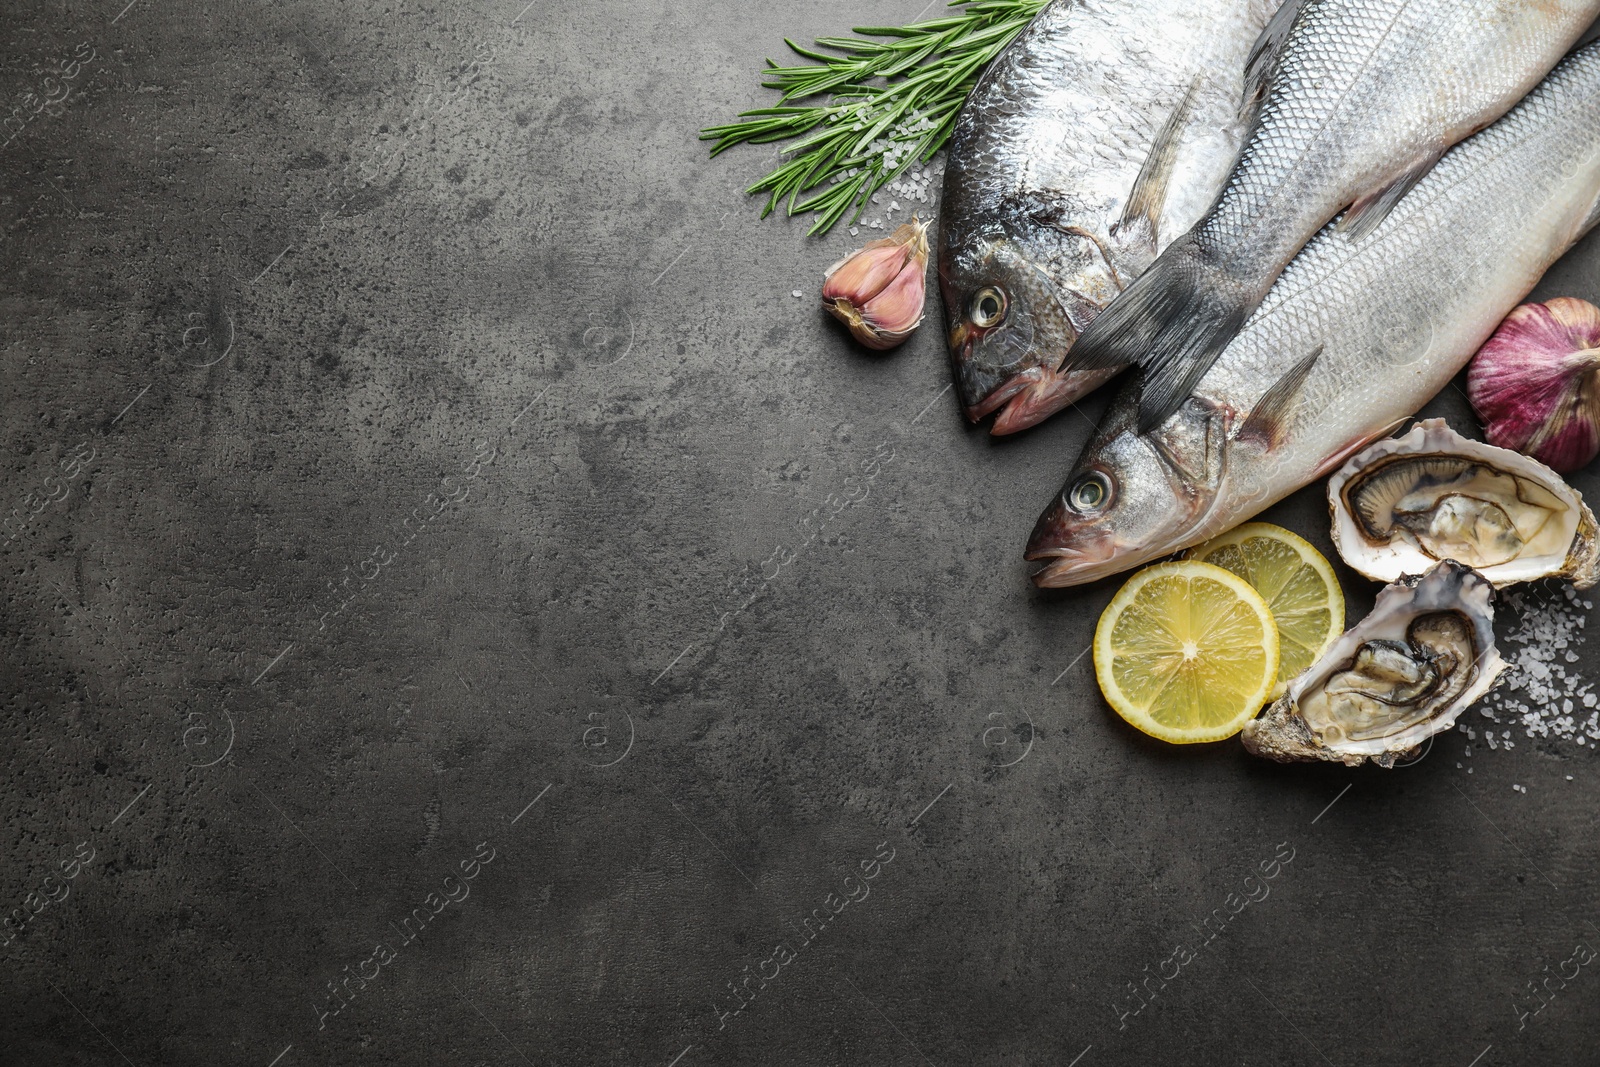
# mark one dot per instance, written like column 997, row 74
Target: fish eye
column 1091, row 492
column 988, row 308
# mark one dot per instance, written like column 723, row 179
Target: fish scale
column 1358, row 102
column 1390, row 316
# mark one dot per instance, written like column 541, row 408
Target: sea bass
column 1099, row 135
column 1370, row 328
column 1358, row 100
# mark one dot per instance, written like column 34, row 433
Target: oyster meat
column 1404, row 504
column 1405, row 673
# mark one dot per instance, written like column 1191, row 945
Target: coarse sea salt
column 1544, row 628
column 913, row 186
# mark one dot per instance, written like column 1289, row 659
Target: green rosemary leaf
column 862, row 112
column 820, row 57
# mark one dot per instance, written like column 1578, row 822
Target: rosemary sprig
column 890, row 103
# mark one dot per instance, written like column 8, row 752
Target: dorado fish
column 1358, row 100
column 1370, row 328
column 1100, row 134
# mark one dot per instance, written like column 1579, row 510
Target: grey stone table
column 461, row 608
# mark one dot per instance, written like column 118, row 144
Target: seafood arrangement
column 1360, row 162
column 1286, row 225
column 1324, row 367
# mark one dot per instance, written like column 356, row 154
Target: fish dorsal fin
column 1149, row 195
column 1263, row 61
column 1268, row 422
column 1368, row 212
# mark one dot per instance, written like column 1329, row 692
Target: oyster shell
column 1403, row 674
column 1406, row 503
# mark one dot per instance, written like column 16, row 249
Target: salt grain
column 1543, row 630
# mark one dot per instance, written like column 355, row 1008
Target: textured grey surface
column 733, row 606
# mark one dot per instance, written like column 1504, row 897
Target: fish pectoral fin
column 1268, row 422
column 1149, row 195
column 1368, row 212
column 1262, row 63
column 1174, row 321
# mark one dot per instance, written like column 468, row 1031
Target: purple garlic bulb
column 1536, row 383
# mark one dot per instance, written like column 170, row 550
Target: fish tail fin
column 1169, row 383
column 1174, row 320
column 1126, row 330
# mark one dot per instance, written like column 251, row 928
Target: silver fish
column 1358, row 100
column 1373, row 328
column 1101, row 133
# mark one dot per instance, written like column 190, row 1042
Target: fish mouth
column 1038, row 395
column 1077, row 554
column 1045, row 394
column 1068, row 571
column 1006, row 391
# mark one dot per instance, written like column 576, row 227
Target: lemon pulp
column 1295, row 580
column 1187, row 652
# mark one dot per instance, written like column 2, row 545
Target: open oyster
column 1403, row 674
column 1406, row 503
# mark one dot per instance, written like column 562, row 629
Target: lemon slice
column 1187, row 652
column 1294, row 579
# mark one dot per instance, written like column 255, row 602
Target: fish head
column 1132, row 497
column 1009, row 330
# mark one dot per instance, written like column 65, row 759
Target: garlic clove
column 861, row 276
column 879, row 290
column 898, row 309
column 1536, row 383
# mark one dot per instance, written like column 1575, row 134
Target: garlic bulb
column 1536, row 383
column 877, row 290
